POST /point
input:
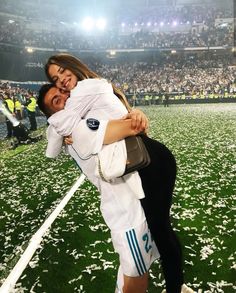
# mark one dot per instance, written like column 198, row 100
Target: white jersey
column 120, row 206
column 121, row 209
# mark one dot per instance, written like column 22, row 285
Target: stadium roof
column 72, row 9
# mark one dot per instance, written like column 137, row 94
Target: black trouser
column 32, row 119
column 158, row 180
column 10, row 131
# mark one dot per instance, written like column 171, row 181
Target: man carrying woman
column 68, row 74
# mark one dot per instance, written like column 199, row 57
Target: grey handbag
column 137, row 154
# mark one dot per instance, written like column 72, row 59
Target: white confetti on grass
column 206, row 181
column 206, row 251
column 25, row 206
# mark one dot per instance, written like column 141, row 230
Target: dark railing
column 148, row 99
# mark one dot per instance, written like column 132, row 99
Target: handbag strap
column 100, row 170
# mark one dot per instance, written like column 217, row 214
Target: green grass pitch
column 76, row 254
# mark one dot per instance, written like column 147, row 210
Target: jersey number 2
column 148, row 246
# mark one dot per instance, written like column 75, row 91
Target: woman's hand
column 139, row 120
column 68, row 140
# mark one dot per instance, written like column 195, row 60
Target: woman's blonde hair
column 81, row 71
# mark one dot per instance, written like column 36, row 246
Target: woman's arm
column 131, row 124
column 119, row 129
column 115, row 131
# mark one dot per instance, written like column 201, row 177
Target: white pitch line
column 35, row 240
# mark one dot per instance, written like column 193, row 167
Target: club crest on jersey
column 92, row 124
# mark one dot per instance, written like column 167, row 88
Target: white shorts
column 136, row 250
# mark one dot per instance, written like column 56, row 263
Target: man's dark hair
column 41, row 103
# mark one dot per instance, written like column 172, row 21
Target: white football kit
column 121, row 209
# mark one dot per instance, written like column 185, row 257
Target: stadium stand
column 182, row 51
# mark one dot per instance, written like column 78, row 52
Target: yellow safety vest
column 17, row 105
column 32, row 105
column 125, row 86
column 10, row 105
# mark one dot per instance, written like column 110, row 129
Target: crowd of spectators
column 16, row 93
column 16, row 35
column 154, row 12
column 188, row 75
column 71, row 37
column 181, row 14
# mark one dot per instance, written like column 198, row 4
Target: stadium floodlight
column 161, row 23
column 123, row 24
column 101, row 23
column 88, row 23
column 136, row 24
column 175, row 23
column 112, row 52
column 224, row 24
column 29, row 50
column 149, row 23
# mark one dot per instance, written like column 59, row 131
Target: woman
column 158, row 178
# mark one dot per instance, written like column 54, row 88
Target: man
column 126, row 219
column 88, row 140
column 18, row 108
column 9, row 104
column 31, row 104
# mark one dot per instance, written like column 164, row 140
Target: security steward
column 18, row 109
column 10, row 106
column 31, row 110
